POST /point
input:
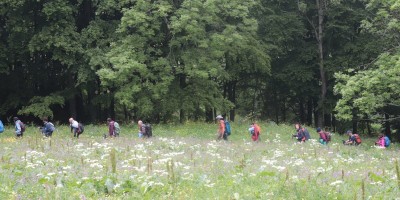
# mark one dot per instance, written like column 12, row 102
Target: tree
column 372, row 90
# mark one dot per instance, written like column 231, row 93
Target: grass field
column 186, row 162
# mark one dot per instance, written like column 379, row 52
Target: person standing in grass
column 19, row 127
column 221, row 127
column 74, row 127
column 140, row 126
column 255, row 132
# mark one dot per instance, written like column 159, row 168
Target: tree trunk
column 232, row 98
column 333, row 123
column 181, row 116
column 309, row 112
column 355, row 121
column 72, row 101
column 321, row 108
column 301, row 111
column 387, row 126
column 209, row 114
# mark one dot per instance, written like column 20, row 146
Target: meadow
column 186, row 162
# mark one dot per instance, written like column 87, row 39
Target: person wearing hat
column 221, row 128
column 322, row 136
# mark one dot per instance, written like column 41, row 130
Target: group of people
column 224, row 130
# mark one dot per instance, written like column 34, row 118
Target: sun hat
column 219, row 117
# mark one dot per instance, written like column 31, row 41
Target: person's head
column 109, row 120
column 219, row 117
column 140, row 122
column 45, row 119
column 319, row 129
column 349, row 132
column 297, row 126
column 71, row 120
column 15, row 119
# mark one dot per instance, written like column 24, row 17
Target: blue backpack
column 387, row 141
column 1, row 127
column 227, row 128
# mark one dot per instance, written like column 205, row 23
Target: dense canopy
column 326, row 63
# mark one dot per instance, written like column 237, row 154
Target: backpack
column 306, row 134
column 52, row 127
column 148, row 130
column 1, row 127
column 387, row 142
column 81, row 128
column 358, row 139
column 117, row 129
column 328, row 136
column 227, row 127
column 22, row 125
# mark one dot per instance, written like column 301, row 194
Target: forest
column 326, row 63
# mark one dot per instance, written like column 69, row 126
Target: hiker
column 48, row 128
column 76, row 128
column 381, row 141
column 1, row 127
column 146, row 130
column 255, row 132
column 300, row 135
column 19, row 127
column 140, row 124
column 354, row 139
column 221, row 128
column 322, row 136
column 387, row 140
column 111, row 128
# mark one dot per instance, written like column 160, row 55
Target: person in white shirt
column 74, row 127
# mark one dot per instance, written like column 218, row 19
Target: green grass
column 186, row 162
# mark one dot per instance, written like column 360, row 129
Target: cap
column 318, row 129
column 219, row 117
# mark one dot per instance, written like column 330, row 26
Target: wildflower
column 338, row 182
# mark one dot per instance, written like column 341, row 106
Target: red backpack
column 358, row 139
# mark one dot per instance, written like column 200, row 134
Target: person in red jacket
column 255, row 132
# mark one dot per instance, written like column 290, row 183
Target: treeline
column 178, row 60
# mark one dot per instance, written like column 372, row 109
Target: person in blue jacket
column 48, row 128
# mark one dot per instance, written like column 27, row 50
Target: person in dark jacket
column 300, row 135
column 48, row 128
column 19, row 127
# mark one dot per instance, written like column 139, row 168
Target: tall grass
column 186, row 162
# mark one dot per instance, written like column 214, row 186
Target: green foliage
column 373, row 90
column 40, row 106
